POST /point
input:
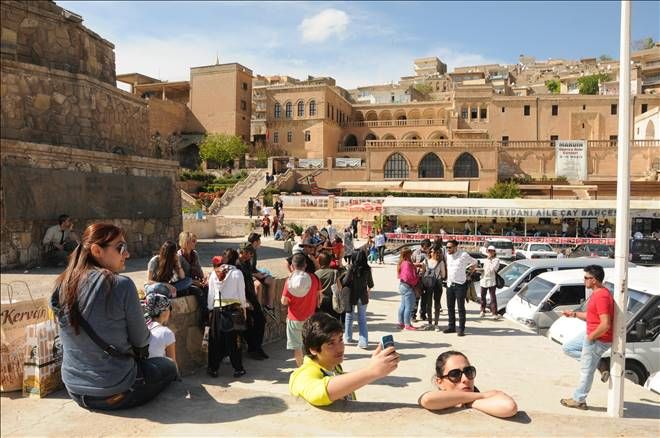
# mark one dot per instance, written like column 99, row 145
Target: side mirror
column 521, row 285
column 640, row 329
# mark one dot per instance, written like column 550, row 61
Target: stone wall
column 60, row 108
column 39, row 182
column 42, row 33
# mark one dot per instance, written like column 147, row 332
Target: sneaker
column 437, row 328
column 401, row 326
column 497, row 317
column 570, row 403
column 461, row 333
column 482, row 314
column 363, row 346
column 449, row 330
column 409, row 327
column 239, row 373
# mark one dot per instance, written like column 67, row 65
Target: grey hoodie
column 116, row 316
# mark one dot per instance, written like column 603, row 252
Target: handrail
column 235, row 190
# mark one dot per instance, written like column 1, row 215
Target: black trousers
column 381, row 254
column 431, row 301
column 256, row 324
column 223, row 344
column 456, row 294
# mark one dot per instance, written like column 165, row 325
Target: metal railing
column 393, row 123
column 235, row 191
column 470, row 144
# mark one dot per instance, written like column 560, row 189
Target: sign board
column 571, row 159
column 501, row 212
column 348, row 162
column 310, row 163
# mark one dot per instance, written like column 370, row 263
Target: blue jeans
column 154, row 375
column 407, row 303
column 160, row 288
column 362, row 325
column 573, row 347
column 591, row 354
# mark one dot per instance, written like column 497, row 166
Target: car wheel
column 635, row 372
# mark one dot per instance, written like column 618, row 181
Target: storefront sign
column 415, row 237
column 310, row 163
column 571, row 159
column 502, row 212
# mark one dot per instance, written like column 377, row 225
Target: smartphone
column 387, row 341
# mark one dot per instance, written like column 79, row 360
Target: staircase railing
column 234, row 191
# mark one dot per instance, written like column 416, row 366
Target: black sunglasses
column 454, row 376
column 122, row 248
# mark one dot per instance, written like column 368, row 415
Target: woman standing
column 435, row 273
column 408, row 279
column 165, row 274
column 488, row 282
column 360, row 280
column 379, row 243
column 91, row 293
column 226, row 296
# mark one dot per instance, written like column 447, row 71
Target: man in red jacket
column 600, row 320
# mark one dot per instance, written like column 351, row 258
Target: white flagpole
column 618, row 360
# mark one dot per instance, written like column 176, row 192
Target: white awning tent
column 479, row 207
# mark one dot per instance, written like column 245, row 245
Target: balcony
column 476, row 144
column 394, row 123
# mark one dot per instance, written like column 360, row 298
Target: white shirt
column 160, row 338
column 228, row 291
column 332, row 232
column 457, row 263
column 490, row 270
column 564, row 227
column 56, row 235
column 379, row 240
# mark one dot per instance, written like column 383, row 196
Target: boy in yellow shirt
column 320, row 379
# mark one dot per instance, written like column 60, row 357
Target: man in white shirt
column 332, row 231
column 59, row 241
column 457, row 264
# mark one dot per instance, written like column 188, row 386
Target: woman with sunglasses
column 91, row 290
column 454, row 378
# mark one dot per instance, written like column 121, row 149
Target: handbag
column 232, row 319
column 499, row 281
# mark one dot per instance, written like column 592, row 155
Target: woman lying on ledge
column 455, row 381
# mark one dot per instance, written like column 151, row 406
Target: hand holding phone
column 387, row 341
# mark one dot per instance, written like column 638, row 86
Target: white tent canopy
column 478, row 207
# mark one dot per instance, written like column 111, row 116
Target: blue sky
column 357, row 43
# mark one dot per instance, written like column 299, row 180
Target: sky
column 357, row 43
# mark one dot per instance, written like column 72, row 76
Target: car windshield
column 636, row 300
column 500, row 244
column 513, row 272
column 540, row 247
column 645, row 246
column 536, row 291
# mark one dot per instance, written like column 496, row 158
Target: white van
column 521, row 272
column 540, row 303
column 642, row 327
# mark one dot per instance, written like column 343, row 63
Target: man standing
column 332, row 231
column 457, row 263
column 250, row 207
column 59, row 241
column 600, row 319
column 263, row 282
column 354, row 226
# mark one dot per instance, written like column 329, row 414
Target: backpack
column 341, row 296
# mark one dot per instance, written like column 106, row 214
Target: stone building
column 72, row 142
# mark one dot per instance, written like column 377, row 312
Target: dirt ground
column 530, row 368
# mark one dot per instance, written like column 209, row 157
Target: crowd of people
column 106, row 328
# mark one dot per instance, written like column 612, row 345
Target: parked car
column 503, row 248
column 521, row 272
column 592, row 250
column 642, row 326
column 391, row 256
column 540, row 303
column 645, row 251
column 536, row 250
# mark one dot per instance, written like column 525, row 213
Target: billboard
column 571, row 159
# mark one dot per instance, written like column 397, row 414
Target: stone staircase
column 234, row 201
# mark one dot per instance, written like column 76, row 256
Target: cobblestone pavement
column 530, row 368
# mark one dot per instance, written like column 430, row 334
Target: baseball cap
column 297, row 249
column 253, row 237
column 491, row 248
column 299, row 283
column 217, row 260
column 157, row 304
column 308, row 242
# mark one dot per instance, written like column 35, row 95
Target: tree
column 505, row 190
column 589, row 84
column 644, row 44
column 423, row 88
column 604, row 58
column 553, row 86
column 222, row 148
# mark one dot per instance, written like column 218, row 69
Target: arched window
column 312, row 108
column 277, row 111
column 288, row 110
column 466, row 166
column 396, row 167
column 431, row 167
column 370, row 136
column 301, row 109
column 350, row 141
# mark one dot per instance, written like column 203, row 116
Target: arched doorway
column 350, row 141
column 370, row 136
